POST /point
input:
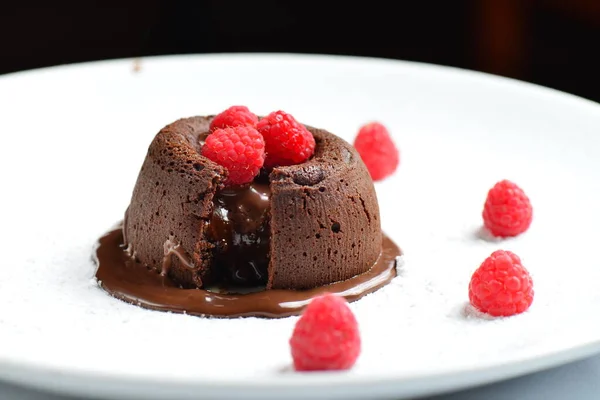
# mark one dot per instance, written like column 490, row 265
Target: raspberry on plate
column 233, row 116
column 241, row 150
column 377, row 150
column 501, row 286
column 287, row 142
column 326, row 337
column 507, row 210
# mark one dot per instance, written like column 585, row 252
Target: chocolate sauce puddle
column 172, row 248
column 129, row 281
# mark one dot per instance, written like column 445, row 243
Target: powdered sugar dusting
column 420, row 321
column 53, row 313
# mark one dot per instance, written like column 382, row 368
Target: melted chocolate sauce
column 129, row 281
column 239, row 228
column 173, row 249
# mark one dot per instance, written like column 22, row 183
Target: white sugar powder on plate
column 53, row 312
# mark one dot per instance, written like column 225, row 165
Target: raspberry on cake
column 501, row 286
column 232, row 117
column 326, row 337
column 507, row 210
column 287, row 141
column 241, row 150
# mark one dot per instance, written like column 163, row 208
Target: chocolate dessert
column 294, row 229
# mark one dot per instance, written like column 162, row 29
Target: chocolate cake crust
column 325, row 223
column 324, row 215
column 165, row 223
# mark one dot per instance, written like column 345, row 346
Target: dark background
column 550, row 42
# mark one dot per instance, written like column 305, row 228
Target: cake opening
column 239, row 228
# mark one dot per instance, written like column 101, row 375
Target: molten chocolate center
column 239, row 227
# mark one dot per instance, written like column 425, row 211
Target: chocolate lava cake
column 294, row 227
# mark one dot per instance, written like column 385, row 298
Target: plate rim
column 331, row 385
column 307, row 56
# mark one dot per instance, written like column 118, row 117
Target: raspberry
column 501, row 286
column 233, row 116
column 326, row 337
column 241, row 150
column 507, row 210
column 287, row 141
column 377, row 150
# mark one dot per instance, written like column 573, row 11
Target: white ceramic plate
column 73, row 139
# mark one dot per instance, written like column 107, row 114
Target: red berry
column 287, row 142
column 507, row 210
column 501, row 286
column 241, row 150
column 233, row 116
column 377, row 150
column 326, row 337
